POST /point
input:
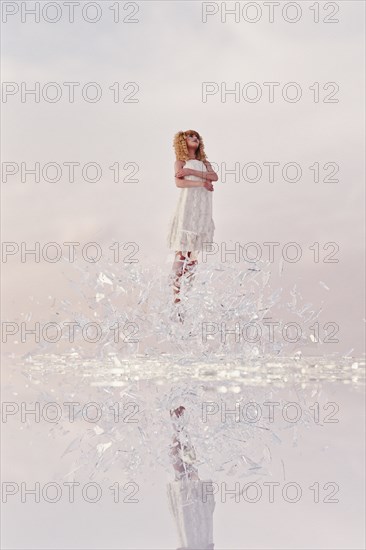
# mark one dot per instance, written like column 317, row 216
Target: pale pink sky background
column 169, row 53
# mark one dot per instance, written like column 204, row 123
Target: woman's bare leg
column 181, row 448
column 183, row 265
column 191, row 266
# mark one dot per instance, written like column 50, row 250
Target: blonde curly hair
column 181, row 149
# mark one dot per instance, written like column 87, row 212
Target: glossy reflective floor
column 270, row 452
column 189, row 426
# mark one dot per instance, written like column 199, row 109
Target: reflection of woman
column 191, row 500
column 192, row 224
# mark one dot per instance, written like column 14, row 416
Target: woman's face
column 192, row 141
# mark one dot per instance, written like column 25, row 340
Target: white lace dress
column 192, row 504
column 192, row 223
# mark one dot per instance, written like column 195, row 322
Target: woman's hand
column 183, row 172
column 208, row 185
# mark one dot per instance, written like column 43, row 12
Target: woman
column 192, row 224
column 191, row 501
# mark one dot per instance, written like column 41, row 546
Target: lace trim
column 189, row 240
